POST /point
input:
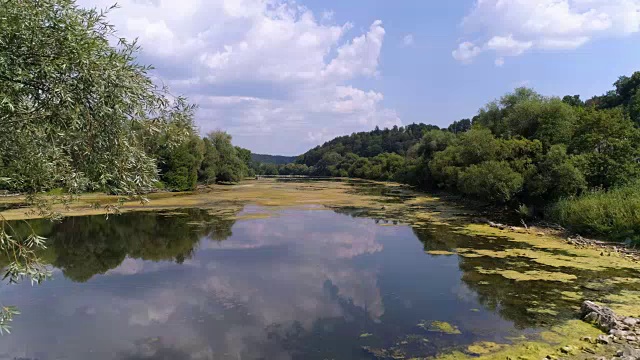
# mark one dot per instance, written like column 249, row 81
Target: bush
column 614, row 213
column 491, row 180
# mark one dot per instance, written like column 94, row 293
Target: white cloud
column 407, row 40
column 359, row 57
column 499, row 61
column 508, row 46
column 327, row 15
column 513, row 27
column 267, row 71
column 465, row 52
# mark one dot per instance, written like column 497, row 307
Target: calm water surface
column 304, row 284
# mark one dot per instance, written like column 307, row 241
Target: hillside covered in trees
column 562, row 158
column 272, row 159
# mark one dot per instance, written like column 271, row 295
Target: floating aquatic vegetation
column 532, row 275
column 440, row 252
column 439, row 326
column 483, row 347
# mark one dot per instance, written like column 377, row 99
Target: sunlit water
column 303, row 284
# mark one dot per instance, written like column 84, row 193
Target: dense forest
column 272, row 159
column 576, row 162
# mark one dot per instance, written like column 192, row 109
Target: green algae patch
column 546, row 248
column 623, row 281
column 440, row 326
column 625, row 303
column 268, row 193
column 439, row 252
column 484, row 252
column 543, row 311
column 549, row 344
column 571, row 295
column 365, row 335
column 484, row 347
column 531, row 275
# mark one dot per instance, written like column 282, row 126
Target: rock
column 619, row 333
column 569, row 350
column 588, row 350
column 618, row 340
column 630, row 321
column 601, row 316
column 631, row 338
column 631, row 352
column 619, row 353
column 588, row 339
column 603, row 339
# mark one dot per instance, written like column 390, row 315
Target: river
column 303, row 282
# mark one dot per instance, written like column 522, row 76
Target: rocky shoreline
column 622, row 332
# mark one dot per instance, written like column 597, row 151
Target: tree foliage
column 523, row 148
column 74, row 109
column 79, row 113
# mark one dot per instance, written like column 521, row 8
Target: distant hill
column 273, row 159
column 369, row 144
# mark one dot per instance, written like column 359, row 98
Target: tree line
column 208, row 160
column 560, row 158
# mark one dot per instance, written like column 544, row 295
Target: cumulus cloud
column 508, row 45
column 267, row 71
column 513, row 27
column 466, row 51
column 407, row 40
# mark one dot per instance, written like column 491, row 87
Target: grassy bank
column 613, row 214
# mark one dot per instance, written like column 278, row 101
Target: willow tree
column 75, row 111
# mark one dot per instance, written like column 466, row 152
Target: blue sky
column 282, row 77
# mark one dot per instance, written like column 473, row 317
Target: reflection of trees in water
column 526, row 303
column 85, row 246
column 516, row 301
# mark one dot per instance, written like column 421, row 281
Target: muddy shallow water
column 307, row 282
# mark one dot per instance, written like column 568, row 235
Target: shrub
column 491, row 180
column 614, row 213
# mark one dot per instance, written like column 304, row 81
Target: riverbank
column 266, row 192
